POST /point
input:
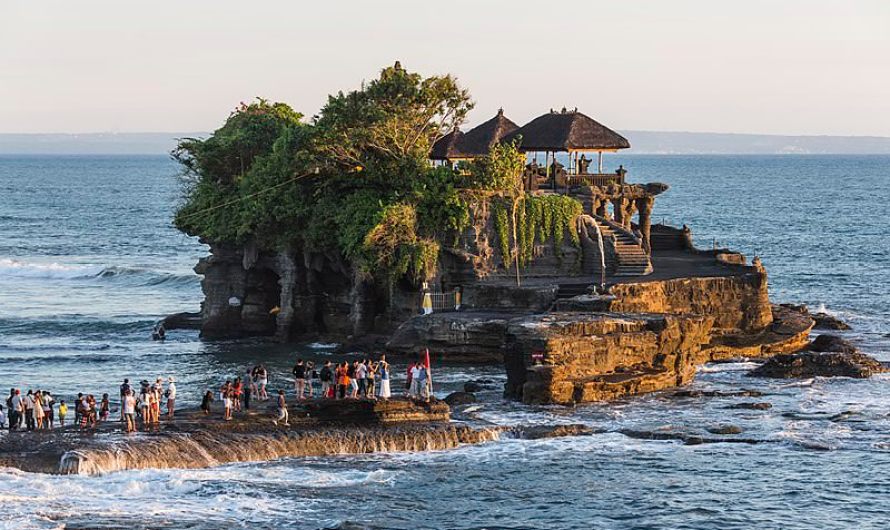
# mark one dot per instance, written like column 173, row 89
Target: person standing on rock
column 171, row 397
column 409, row 379
column 249, row 392
column 262, row 381
column 63, row 411
column 145, row 404
column 299, row 372
column 38, row 410
column 282, row 410
column 48, row 402
column 128, row 410
column 237, row 391
column 16, row 409
column 361, row 375
column 29, row 410
column 124, row 388
column 383, row 368
column 370, row 377
column 326, row 376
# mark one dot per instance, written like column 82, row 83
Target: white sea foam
column 323, row 345
column 11, row 268
column 728, row 367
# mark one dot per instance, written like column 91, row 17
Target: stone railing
column 594, row 179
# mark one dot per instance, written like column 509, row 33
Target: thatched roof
column 475, row 142
column 447, row 147
column 567, row 130
column 478, row 141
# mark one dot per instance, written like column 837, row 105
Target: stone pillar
column 600, row 207
column 644, row 205
column 628, row 214
column 618, row 207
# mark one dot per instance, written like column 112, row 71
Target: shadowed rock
column 761, row 405
column 460, row 398
column 814, row 364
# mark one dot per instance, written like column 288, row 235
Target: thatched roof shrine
column 567, row 131
column 447, row 147
column 475, row 142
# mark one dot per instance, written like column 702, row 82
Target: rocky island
column 384, row 226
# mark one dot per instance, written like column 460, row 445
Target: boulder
column 478, row 385
column 182, row 321
column 538, row 432
column 826, row 321
column 832, row 343
column 817, row 364
column 460, row 398
column 758, row 405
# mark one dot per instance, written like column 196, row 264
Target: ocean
column 89, row 262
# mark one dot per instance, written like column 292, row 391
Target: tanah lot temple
column 604, row 305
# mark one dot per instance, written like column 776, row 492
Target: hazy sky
column 759, row 66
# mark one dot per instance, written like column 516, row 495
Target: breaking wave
column 136, row 276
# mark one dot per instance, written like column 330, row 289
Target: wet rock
column 815, row 364
column 538, row 432
column 182, row 321
column 478, row 385
column 757, row 405
column 717, row 393
column 826, row 321
column 370, row 412
column 725, row 429
column 685, row 437
column 832, row 343
column 460, row 398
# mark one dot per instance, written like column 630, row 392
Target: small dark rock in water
column 554, row 431
column 460, row 398
column 833, row 343
column 814, row 364
column 826, row 321
column 717, row 393
column 182, row 321
column 725, row 429
column 478, row 385
column 760, row 405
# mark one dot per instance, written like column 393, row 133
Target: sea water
column 89, row 262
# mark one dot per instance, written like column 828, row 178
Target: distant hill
column 91, row 144
column 689, row 143
column 643, row 142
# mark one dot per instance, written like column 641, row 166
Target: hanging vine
column 539, row 220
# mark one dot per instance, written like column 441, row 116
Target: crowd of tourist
column 359, row 379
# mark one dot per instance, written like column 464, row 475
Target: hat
column 171, row 380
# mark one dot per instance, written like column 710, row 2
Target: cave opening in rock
column 261, row 301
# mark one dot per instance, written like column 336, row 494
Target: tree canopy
column 354, row 180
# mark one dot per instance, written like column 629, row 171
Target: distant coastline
column 643, row 143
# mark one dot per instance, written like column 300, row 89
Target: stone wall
column 592, row 357
column 735, row 302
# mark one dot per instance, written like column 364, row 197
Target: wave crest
column 11, row 268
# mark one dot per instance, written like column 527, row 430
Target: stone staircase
column 632, row 258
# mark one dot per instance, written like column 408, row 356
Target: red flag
column 426, row 360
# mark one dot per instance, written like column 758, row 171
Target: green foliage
column 539, row 219
column 392, row 246
column 390, row 123
column 355, row 181
column 502, row 227
column 500, row 170
column 231, row 150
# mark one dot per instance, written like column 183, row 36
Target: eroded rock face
column 567, row 358
column 819, row 364
column 735, row 302
column 472, row 336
